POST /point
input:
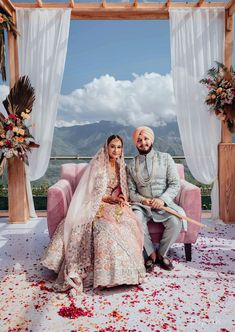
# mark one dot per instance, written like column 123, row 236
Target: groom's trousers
column 172, row 225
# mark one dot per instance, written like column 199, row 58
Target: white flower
column 9, row 153
column 9, row 134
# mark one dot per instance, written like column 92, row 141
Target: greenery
column 40, row 187
column 79, row 140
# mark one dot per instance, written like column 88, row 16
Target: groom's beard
column 143, row 152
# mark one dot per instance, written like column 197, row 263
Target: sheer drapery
column 197, row 40
column 42, row 48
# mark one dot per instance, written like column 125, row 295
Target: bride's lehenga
column 105, row 253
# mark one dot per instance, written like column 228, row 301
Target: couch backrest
column 180, row 169
column 73, row 172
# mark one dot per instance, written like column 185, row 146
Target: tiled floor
column 196, row 296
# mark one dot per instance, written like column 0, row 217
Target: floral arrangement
column 220, row 83
column 6, row 23
column 15, row 137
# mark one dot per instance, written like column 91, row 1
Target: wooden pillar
column 226, row 147
column 17, row 196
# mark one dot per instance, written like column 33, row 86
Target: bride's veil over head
column 88, row 194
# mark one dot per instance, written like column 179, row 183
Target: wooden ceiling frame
column 119, row 11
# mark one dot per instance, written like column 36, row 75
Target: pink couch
column 60, row 195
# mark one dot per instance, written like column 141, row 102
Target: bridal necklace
column 148, row 180
column 113, row 173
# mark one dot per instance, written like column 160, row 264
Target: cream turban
column 145, row 131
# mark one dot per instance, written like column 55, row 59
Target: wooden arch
column 18, row 209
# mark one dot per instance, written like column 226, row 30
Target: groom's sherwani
column 154, row 176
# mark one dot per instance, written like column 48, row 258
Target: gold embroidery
column 100, row 212
column 118, row 212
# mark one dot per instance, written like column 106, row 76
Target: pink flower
column 8, row 143
column 73, row 312
column 12, row 116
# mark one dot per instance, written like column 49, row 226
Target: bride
column 100, row 242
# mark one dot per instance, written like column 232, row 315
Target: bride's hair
column 110, row 138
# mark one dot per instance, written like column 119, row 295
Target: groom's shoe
column 149, row 265
column 164, row 263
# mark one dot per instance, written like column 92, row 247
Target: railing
column 40, row 187
column 78, row 157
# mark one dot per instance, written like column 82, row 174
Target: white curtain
column 197, row 40
column 42, row 48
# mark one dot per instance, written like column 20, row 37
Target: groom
column 153, row 182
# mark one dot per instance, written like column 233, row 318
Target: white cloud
column 4, row 92
column 147, row 100
column 63, row 123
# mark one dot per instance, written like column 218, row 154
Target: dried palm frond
column 6, row 22
column 20, row 98
column 2, row 56
column 2, row 117
column 33, row 145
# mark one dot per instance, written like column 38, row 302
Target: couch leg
column 188, row 251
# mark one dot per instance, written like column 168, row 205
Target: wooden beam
column 227, row 182
column 226, row 136
column 13, row 57
column 39, row 3
column 17, row 196
column 72, row 3
column 231, row 7
column 200, row 3
column 168, row 3
column 120, row 11
column 226, row 151
column 103, row 4
column 7, row 6
column 135, row 3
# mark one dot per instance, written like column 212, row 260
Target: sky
column 116, row 70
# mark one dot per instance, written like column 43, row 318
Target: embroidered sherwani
column 155, row 176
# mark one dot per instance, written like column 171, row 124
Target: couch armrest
column 190, row 200
column 58, row 199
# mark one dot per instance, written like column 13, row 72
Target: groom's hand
column 147, row 201
column 157, row 203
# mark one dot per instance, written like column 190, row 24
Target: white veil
column 88, row 194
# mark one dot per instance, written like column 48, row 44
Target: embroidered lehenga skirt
column 116, row 243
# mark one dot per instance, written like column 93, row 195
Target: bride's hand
column 122, row 201
column 109, row 199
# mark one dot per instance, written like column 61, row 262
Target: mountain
column 85, row 140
